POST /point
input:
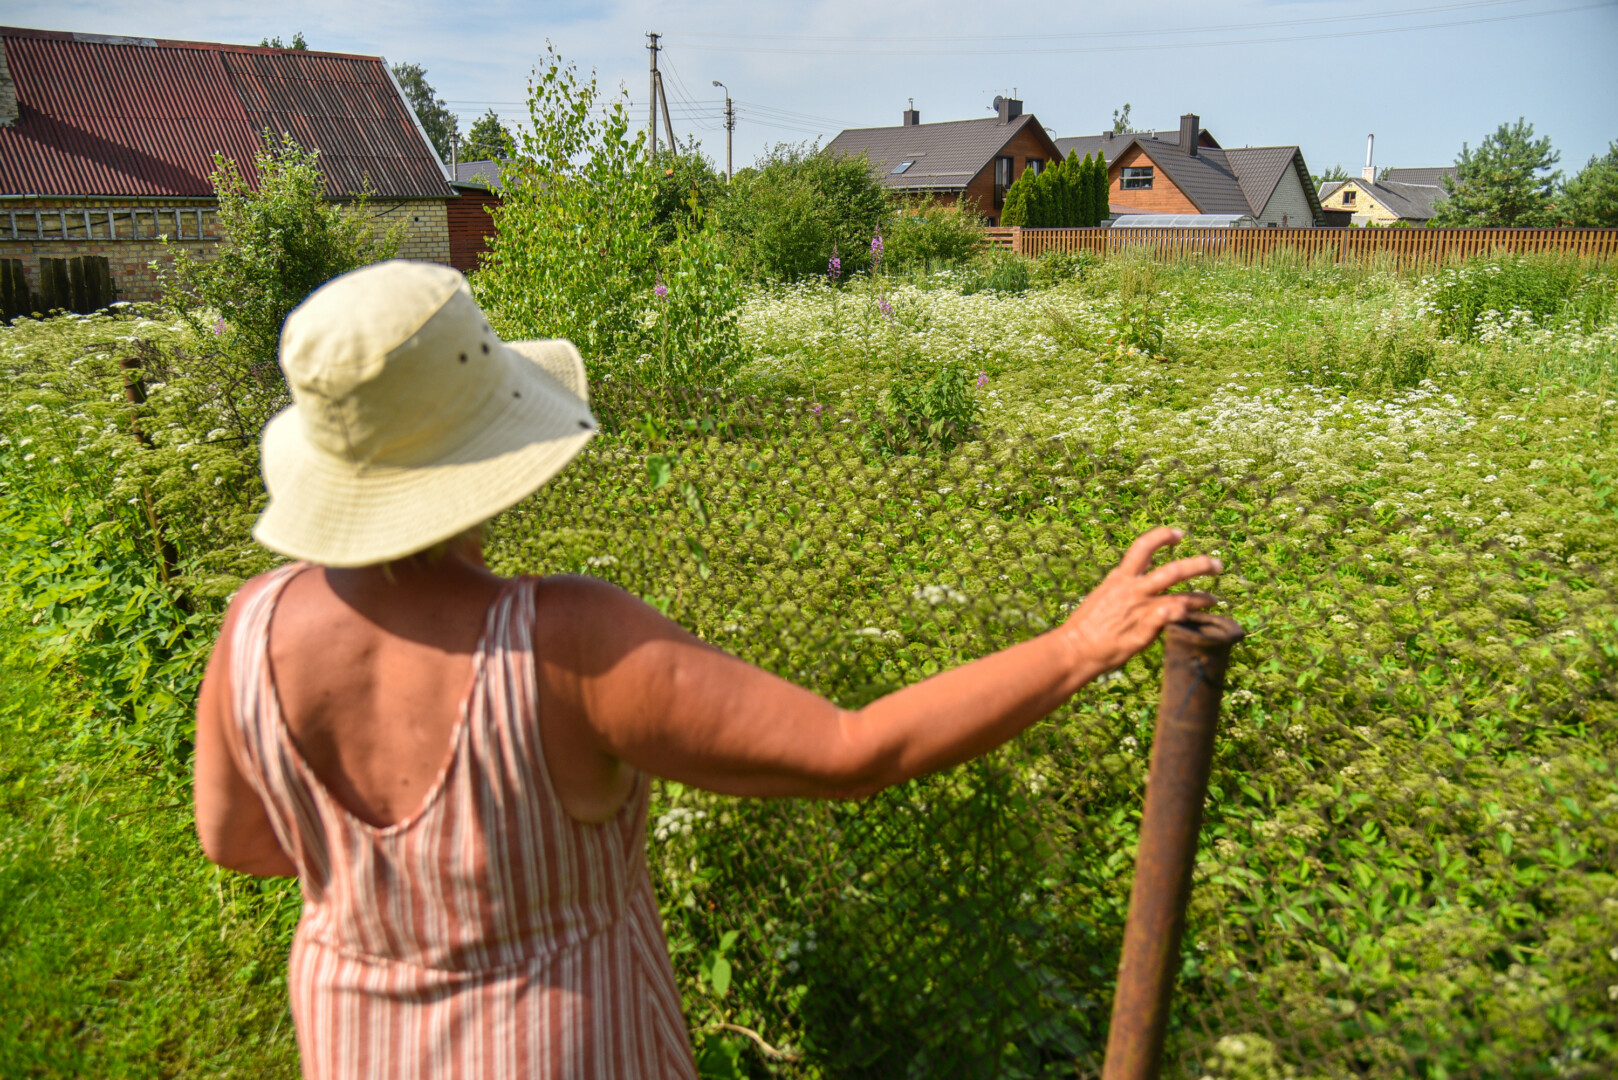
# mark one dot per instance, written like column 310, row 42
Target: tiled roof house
column 1399, row 196
column 108, row 142
column 1188, row 172
column 970, row 160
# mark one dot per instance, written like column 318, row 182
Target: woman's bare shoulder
column 587, row 614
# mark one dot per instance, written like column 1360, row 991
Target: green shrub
column 923, row 235
column 923, row 409
column 688, row 185
column 282, row 239
column 1055, row 267
column 575, row 250
column 1514, row 292
column 996, row 271
column 783, row 217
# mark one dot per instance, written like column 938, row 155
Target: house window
column 1137, row 177
column 901, row 167
column 1348, row 197
column 1035, row 165
column 1002, row 179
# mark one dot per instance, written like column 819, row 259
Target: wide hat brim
column 335, row 512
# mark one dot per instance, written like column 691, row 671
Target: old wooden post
column 1195, row 653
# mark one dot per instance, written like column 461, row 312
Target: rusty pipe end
column 1205, row 632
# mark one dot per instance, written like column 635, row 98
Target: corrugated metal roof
column 139, row 117
column 945, row 156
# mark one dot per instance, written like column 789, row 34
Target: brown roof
column 1237, row 180
column 115, row 116
column 1113, row 145
column 944, row 156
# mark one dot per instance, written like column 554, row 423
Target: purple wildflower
column 660, row 290
column 219, row 326
column 876, row 246
column 983, row 379
column 884, row 307
column 834, row 267
column 815, row 408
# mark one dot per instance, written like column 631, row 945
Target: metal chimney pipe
column 1195, row 653
column 1368, row 174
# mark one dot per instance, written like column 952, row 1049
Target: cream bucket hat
column 410, row 420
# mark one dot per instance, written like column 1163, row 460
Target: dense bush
column 785, row 216
column 1520, row 292
column 587, row 248
column 282, row 239
column 923, row 235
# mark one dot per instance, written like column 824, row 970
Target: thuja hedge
column 1408, row 862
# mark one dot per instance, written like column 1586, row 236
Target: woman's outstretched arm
column 645, row 692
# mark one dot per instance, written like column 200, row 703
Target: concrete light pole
column 730, row 126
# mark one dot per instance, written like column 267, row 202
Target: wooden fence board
column 1402, row 247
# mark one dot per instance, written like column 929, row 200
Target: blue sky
column 1423, row 75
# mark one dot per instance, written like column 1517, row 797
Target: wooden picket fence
column 1401, row 247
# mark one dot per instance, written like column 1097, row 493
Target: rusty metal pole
column 1195, row 653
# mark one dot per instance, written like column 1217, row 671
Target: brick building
column 108, row 143
column 1188, row 172
column 972, row 161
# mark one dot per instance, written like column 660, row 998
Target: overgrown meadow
column 1408, row 861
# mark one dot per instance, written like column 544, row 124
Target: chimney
column 1007, row 108
column 1190, row 129
column 1368, row 174
column 8, row 91
column 912, row 117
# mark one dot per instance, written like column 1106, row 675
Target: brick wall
column 130, row 241
column 1161, row 198
column 1289, row 204
column 427, row 224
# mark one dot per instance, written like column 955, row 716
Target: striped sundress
column 488, row 936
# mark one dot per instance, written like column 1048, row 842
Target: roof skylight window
column 901, row 167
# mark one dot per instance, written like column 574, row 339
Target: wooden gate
column 82, row 284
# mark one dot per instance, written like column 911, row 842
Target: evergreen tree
column 1506, row 182
column 1083, row 199
column 1099, row 193
column 276, row 43
column 1590, row 199
column 1042, row 200
column 1014, row 211
column 1072, row 192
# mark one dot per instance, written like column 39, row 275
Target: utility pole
column 651, row 114
column 730, row 126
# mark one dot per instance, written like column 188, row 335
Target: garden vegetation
column 858, row 472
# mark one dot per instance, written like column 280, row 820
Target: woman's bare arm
column 652, row 695
column 231, row 822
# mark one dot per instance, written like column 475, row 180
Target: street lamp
column 730, row 126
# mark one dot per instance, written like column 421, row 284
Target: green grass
column 123, row 953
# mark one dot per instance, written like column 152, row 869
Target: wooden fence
column 1403, row 247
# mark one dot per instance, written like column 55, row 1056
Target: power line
column 1212, row 28
column 1160, row 46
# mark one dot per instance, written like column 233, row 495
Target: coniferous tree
column 1083, row 197
column 1099, row 192
column 1014, row 211
column 1590, row 199
column 1043, row 201
column 1073, row 192
column 1506, row 182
